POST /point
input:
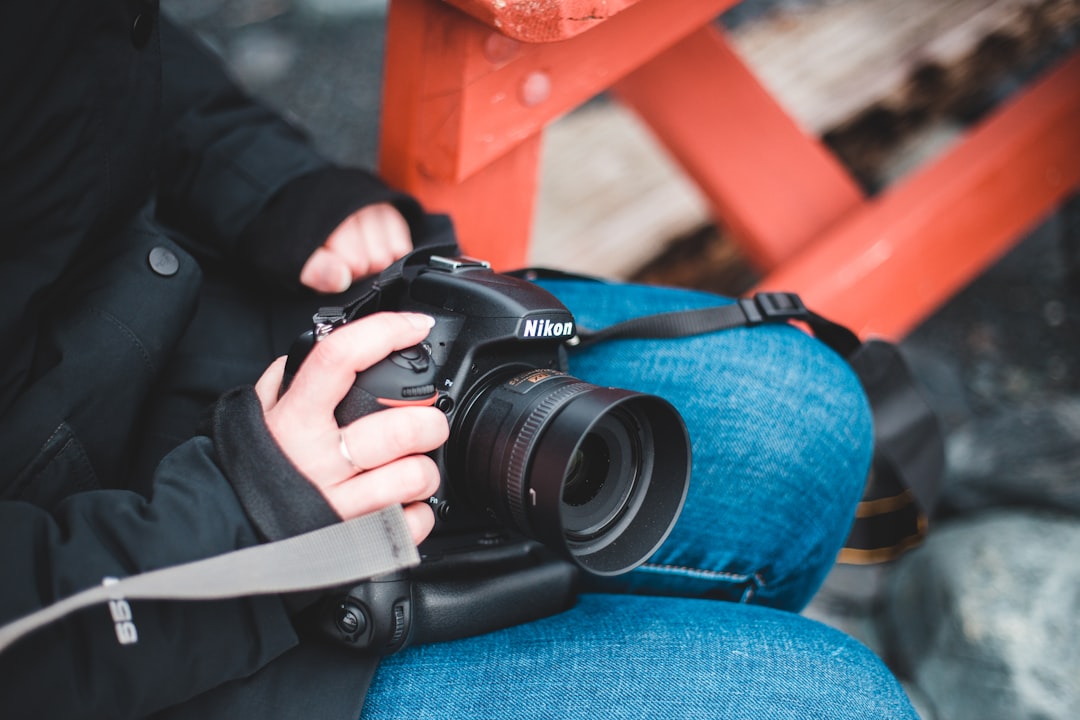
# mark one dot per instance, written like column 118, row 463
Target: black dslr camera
column 543, row 475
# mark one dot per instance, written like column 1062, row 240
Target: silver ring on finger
column 344, row 450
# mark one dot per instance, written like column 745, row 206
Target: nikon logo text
column 547, row 329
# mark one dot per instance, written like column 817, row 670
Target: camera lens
column 603, row 474
column 600, row 473
column 588, row 471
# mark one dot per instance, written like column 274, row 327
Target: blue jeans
column 781, row 437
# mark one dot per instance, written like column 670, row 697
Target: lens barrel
column 599, row 473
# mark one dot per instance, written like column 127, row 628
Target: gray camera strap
column 348, row 552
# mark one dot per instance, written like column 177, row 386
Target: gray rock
column 344, row 8
column 1012, row 337
column 984, row 618
column 1018, row 456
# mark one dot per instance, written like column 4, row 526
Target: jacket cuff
column 301, row 215
column 277, row 498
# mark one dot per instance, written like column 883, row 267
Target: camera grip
column 404, row 378
column 457, row 596
column 451, row 609
column 356, row 403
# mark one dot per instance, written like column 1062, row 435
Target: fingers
column 388, row 466
column 402, row 482
column 326, row 272
column 371, row 239
column 330, row 368
column 375, row 440
column 268, row 386
column 366, row 242
column 421, row 520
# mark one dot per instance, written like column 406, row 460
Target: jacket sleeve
column 227, row 159
column 76, row 667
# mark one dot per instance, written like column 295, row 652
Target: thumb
column 326, row 272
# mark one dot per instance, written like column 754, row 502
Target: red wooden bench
column 471, row 84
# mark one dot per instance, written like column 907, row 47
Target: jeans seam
column 754, row 581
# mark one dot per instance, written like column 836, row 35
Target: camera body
column 487, row 326
column 540, row 467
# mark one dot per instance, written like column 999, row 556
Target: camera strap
column 379, row 291
column 909, row 453
column 349, row 552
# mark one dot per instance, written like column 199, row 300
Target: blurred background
column 982, row 620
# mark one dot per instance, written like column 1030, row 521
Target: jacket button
column 141, row 28
column 163, row 261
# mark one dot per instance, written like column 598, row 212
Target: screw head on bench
column 499, row 49
column 535, row 88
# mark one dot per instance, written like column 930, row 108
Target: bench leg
column 774, row 186
column 894, row 261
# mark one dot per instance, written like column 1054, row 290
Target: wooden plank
column 610, row 198
column 539, row 21
column 827, row 63
column 812, row 60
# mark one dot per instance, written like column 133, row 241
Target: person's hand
column 386, row 448
column 366, row 242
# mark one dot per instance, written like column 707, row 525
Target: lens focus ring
column 517, row 464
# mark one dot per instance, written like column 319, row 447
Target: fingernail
column 344, row 278
column 420, row 321
column 335, row 278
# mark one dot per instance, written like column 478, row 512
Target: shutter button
column 163, row 261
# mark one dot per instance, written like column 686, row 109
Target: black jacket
column 113, row 126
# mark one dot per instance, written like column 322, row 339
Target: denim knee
column 782, row 439
column 628, row 657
